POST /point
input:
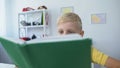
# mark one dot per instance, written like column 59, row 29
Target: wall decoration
column 66, row 9
column 99, row 18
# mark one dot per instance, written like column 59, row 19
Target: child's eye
column 69, row 32
column 60, row 32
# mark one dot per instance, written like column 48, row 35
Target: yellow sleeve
column 98, row 57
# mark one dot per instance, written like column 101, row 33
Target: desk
column 3, row 65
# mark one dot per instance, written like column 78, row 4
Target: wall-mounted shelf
column 33, row 23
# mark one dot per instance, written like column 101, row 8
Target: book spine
column 25, row 61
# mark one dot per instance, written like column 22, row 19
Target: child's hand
column 112, row 63
column 16, row 66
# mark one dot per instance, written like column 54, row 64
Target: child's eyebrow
column 72, row 31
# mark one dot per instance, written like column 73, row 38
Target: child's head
column 69, row 23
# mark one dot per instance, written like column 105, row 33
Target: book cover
column 51, row 52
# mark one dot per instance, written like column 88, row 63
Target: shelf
column 32, row 11
column 36, row 26
column 29, row 23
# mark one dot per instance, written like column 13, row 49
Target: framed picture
column 99, row 18
column 66, row 9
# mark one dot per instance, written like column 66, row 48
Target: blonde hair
column 70, row 17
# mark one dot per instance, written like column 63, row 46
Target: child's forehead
column 67, row 23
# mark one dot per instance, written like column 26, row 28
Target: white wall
column 3, row 55
column 106, row 36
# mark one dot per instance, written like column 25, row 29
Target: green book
column 51, row 52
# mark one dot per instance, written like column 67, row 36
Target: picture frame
column 67, row 9
column 98, row 18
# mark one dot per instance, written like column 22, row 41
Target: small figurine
column 42, row 7
column 27, row 9
column 33, row 36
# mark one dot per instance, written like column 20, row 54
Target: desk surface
column 3, row 65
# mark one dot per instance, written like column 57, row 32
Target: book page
column 56, row 38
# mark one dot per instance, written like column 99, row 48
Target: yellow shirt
column 98, row 57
